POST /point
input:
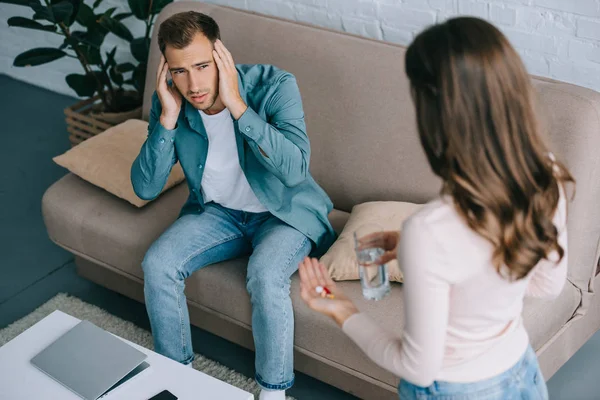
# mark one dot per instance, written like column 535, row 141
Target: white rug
column 125, row 329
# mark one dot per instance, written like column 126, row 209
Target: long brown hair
column 477, row 124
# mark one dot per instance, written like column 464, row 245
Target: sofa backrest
column 361, row 122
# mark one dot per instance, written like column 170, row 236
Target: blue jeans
column 219, row 234
column 523, row 381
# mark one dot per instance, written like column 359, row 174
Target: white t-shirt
column 224, row 181
column 462, row 320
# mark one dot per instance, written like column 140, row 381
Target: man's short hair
column 179, row 30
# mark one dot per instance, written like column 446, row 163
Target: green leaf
column 109, row 12
column 100, row 76
column 97, row 3
column 91, row 54
column 125, row 100
column 125, row 67
column 139, row 78
column 74, row 9
column 62, row 12
column 140, row 8
column 140, row 47
column 65, row 44
column 158, row 5
column 42, row 12
column 116, row 28
column 79, row 36
column 31, row 24
column 116, row 77
column 110, row 57
column 16, row 2
column 92, row 38
column 98, row 30
column 83, row 85
column 41, row 55
column 122, row 16
column 86, row 16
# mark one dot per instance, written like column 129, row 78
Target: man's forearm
column 286, row 159
column 152, row 167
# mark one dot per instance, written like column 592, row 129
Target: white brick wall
column 556, row 38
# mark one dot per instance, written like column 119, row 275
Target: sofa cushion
column 93, row 222
column 340, row 259
column 105, row 160
column 110, row 230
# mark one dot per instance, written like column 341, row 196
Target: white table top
column 20, row 380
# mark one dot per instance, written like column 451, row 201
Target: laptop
column 90, row 361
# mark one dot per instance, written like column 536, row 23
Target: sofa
column 365, row 147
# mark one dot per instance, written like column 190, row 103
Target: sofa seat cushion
column 109, row 230
column 101, row 226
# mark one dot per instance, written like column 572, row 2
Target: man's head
column 187, row 42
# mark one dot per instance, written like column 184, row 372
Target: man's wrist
column 168, row 122
column 238, row 109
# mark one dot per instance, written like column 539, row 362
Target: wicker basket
column 85, row 119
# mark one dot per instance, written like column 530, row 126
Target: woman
column 496, row 234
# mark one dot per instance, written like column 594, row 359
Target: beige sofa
column 364, row 147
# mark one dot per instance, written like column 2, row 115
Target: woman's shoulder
column 438, row 224
column 438, row 227
column 434, row 215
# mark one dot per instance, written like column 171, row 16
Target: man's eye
column 177, row 72
column 203, row 66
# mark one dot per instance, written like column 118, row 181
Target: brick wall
column 556, row 38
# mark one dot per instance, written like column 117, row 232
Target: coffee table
column 19, row 379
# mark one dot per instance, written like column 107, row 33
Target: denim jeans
column 523, row 381
column 219, row 234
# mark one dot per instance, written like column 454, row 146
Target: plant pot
column 86, row 119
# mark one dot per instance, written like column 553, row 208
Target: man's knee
column 159, row 263
column 262, row 282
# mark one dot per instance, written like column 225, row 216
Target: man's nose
column 193, row 82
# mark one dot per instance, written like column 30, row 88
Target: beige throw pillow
column 340, row 260
column 105, row 160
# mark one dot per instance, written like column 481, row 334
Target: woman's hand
column 313, row 274
column 388, row 241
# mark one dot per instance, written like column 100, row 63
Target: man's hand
column 169, row 97
column 228, row 81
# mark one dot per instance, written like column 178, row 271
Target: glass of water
column 373, row 277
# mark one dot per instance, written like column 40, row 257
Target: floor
column 33, row 269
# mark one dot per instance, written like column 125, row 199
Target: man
column 240, row 137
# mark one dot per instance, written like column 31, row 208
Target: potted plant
column 112, row 91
